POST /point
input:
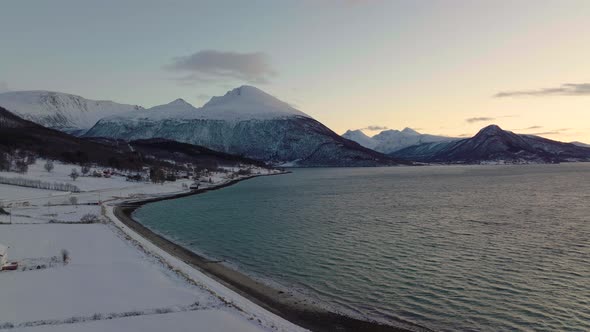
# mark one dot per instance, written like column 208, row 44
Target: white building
column 3, row 255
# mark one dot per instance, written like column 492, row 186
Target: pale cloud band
column 213, row 65
column 479, row 119
column 375, row 128
column 569, row 89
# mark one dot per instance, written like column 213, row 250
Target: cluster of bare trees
column 18, row 162
column 59, row 186
column 157, row 175
column 74, row 174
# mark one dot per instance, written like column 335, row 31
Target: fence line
column 38, row 184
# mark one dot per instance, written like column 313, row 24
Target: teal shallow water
column 480, row 248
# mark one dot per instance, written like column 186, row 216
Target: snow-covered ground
column 114, row 279
column 61, row 173
column 50, row 213
column 193, row 321
column 105, row 275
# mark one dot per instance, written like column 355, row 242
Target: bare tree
column 21, row 166
column 74, row 200
column 31, row 159
column 74, row 174
column 85, row 170
column 157, row 175
column 49, row 166
column 65, row 256
column 4, row 162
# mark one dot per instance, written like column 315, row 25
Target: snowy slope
column 61, row 111
column 394, row 140
column 240, row 104
column 248, row 102
column 391, row 140
column 361, row 138
column 245, row 121
column 177, row 109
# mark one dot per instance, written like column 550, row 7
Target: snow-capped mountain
column 248, row 102
column 389, row 141
column 245, row 121
column 239, row 104
column 61, row 111
column 492, row 144
column 361, row 138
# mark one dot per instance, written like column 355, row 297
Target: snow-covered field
column 104, row 275
column 49, row 213
column 112, row 281
column 194, row 321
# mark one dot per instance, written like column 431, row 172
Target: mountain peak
column 491, row 130
column 179, row 102
column 247, row 90
column 360, row 137
column 354, row 131
column 249, row 101
column 243, row 92
column 410, row 131
column 176, row 108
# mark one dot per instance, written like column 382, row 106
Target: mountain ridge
column 62, row 111
column 391, row 140
column 493, row 144
column 245, row 121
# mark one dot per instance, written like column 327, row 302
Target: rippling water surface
column 484, row 248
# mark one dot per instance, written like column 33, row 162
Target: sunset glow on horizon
column 440, row 67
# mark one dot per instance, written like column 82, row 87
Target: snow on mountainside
column 248, row 102
column 177, row 109
column 245, row 121
column 389, row 141
column 492, row 144
column 361, row 138
column 243, row 103
column 61, row 111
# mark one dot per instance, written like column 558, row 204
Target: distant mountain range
column 389, row 141
column 492, row 144
column 252, row 124
column 245, row 121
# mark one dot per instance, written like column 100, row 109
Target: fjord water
column 478, row 248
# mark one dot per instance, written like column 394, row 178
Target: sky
column 440, row 67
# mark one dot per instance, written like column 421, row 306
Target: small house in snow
column 3, row 255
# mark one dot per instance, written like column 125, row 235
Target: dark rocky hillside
column 17, row 134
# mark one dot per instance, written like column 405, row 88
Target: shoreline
column 303, row 314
